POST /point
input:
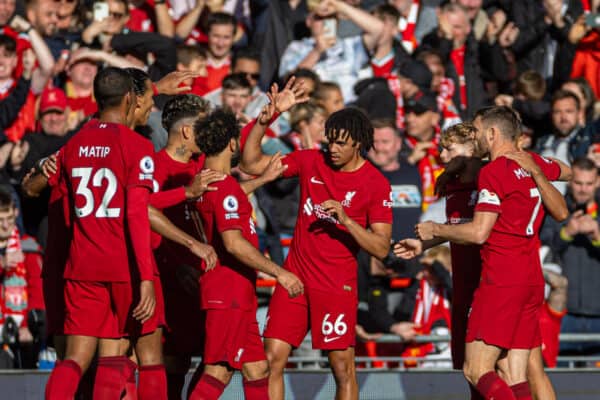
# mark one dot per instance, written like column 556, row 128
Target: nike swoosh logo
column 327, row 340
column 315, row 180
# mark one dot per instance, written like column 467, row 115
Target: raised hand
column 292, row 94
column 525, row 161
column 424, row 230
column 170, row 83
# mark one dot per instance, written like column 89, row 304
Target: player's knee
column 343, row 370
column 258, row 371
column 471, row 373
column 276, row 360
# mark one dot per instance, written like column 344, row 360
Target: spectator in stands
column 465, row 58
column 329, row 96
column 80, row 84
column 20, row 278
column 416, row 20
column 308, row 127
column 587, row 98
column 193, row 59
column 310, row 80
column 585, row 63
column 332, row 58
column 404, row 178
column 221, row 29
column 150, row 17
column 54, row 132
column 541, row 43
column 236, row 95
column 421, row 142
column 575, row 244
column 529, row 100
column 43, row 16
column 565, row 138
column 245, row 62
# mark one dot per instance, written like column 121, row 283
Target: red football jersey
column 323, row 253
column 232, row 283
column 461, row 199
column 98, row 165
column 510, row 255
column 172, row 174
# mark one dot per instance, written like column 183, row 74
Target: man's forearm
column 553, row 200
column 467, row 233
column 375, row 244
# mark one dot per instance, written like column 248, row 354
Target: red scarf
column 449, row 112
column 407, row 26
column 430, row 167
column 586, row 6
column 457, row 56
column 14, row 285
column 432, row 305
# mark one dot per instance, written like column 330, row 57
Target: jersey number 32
column 83, row 189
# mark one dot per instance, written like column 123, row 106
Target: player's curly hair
column 181, row 107
column 503, row 118
column 214, row 132
column 461, row 133
column 350, row 122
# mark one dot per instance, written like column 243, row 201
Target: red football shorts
column 97, row 309
column 134, row 328
column 53, row 285
column 550, row 321
column 331, row 318
column 232, row 336
column 460, row 316
column 506, row 316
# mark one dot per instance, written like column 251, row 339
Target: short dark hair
column 183, row 106
column 236, row 81
column 220, row 18
column 587, row 90
column 9, row 44
column 504, row 118
column 423, row 54
column 387, row 10
column 187, row 53
column 139, row 78
column 584, row 164
column 214, row 132
column 7, row 201
column 304, row 73
column 245, row 53
column 531, row 84
column 324, row 87
column 380, row 123
column 111, row 84
column 562, row 94
column 350, row 122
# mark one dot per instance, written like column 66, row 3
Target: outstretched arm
column 475, row 232
column 254, row 161
column 273, row 171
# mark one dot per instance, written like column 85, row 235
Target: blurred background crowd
column 415, row 67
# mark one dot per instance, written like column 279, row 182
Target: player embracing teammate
column 504, row 217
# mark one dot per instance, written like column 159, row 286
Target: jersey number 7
column 534, row 193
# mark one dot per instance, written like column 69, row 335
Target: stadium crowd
column 419, row 71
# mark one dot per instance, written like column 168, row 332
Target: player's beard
column 236, row 157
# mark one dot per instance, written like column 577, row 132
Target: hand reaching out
column 274, row 168
column 170, row 83
column 408, row 248
column 525, row 161
column 292, row 94
column 201, row 183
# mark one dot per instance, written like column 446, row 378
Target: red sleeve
column 139, row 162
column 294, row 162
column 226, row 205
column 549, row 167
column 490, row 191
column 380, row 207
column 138, row 224
column 168, row 198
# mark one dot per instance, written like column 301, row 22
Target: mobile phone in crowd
column 100, row 11
column 593, row 20
column 330, row 27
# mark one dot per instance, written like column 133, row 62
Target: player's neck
column 219, row 163
column 502, row 149
column 113, row 116
column 352, row 165
column 178, row 152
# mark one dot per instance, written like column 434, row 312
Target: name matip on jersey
column 97, row 166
